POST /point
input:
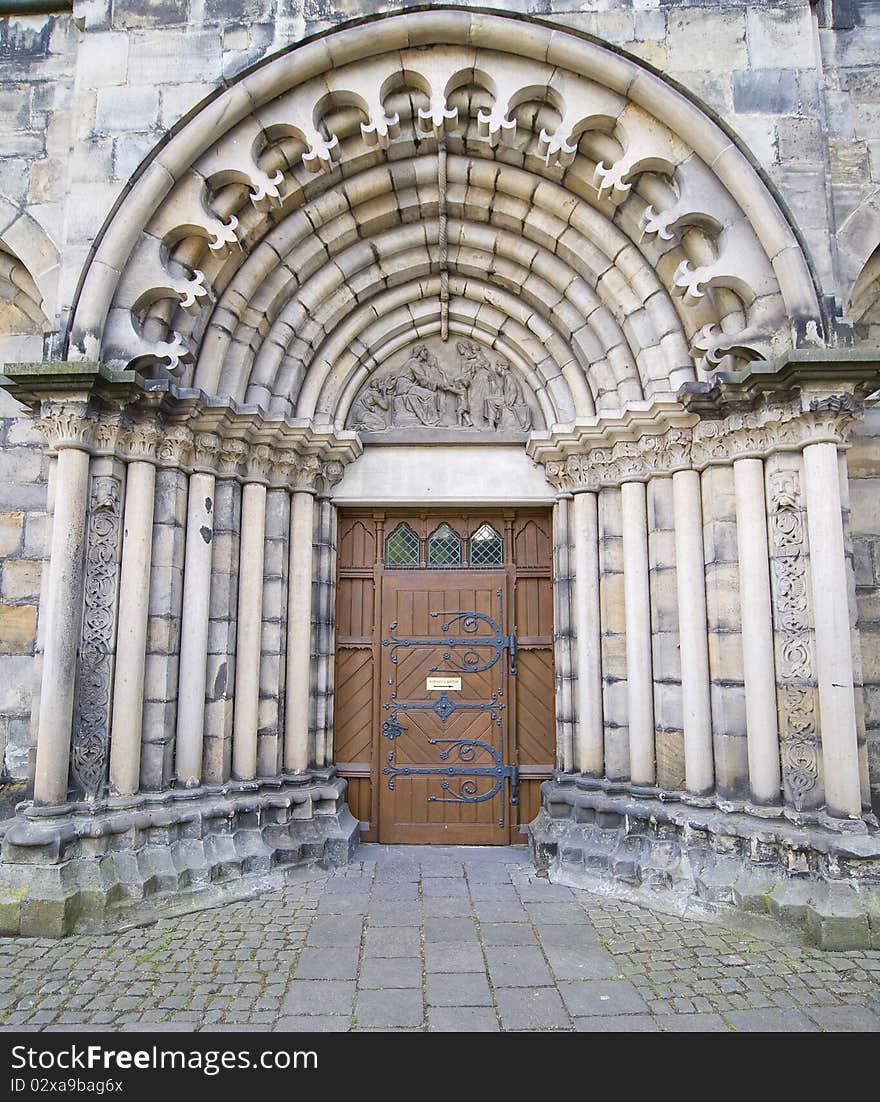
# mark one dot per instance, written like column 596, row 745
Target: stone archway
column 441, row 178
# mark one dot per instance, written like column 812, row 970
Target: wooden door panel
column 419, row 809
column 441, row 748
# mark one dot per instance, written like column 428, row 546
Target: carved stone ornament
column 626, row 461
column 799, row 738
column 432, row 385
column 91, row 718
column 66, row 426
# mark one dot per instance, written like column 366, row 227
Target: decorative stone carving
column 433, row 386
column 141, row 438
column 91, row 719
column 174, row 446
column 307, row 473
column 232, row 455
column 206, row 449
column 66, row 426
column 626, row 461
column 799, row 741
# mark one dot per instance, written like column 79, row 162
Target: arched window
column 487, row 547
column 444, row 547
column 402, row 547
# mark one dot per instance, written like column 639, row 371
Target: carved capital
column 66, row 425
column 258, row 463
column 332, row 471
column 231, row 457
column 307, row 474
column 283, row 465
column 174, row 446
column 140, row 439
column 206, row 451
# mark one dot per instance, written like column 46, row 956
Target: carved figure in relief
column 420, row 384
column 428, row 390
column 373, row 409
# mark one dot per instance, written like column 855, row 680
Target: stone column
column 272, row 658
column 131, row 641
column 589, row 754
column 639, row 682
column 325, row 609
column 562, row 634
column 693, row 632
column 299, row 620
column 196, row 606
column 69, row 433
column 250, row 617
column 834, row 661
column 765, row 780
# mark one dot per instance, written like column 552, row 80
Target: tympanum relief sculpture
column 438, row 386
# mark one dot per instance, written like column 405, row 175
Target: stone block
column 780, row 31
column 102, row 59
column 152, row 13
column 18, row 625
column 134, row 107
column 838, row 921
column 128, row 153
column 163, row 57
column 717, row 39
column 21, row 579
column 37, row 532
column 11, row 528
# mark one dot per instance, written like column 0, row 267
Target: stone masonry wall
column 84, row 98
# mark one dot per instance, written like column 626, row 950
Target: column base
column 127, row 862
column 818, row 883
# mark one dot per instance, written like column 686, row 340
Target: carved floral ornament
column 136, row 435
column 771, row 427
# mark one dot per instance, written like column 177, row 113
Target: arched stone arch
column 864, row 304
column 858, row 240
column 28, row 279
column 582, row 200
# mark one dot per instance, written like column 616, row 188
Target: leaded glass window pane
column 487, row 547
column 402, row 547
column 444, row 547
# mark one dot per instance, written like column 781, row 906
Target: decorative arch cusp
column 444, row 176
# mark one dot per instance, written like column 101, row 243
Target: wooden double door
column 444, row 718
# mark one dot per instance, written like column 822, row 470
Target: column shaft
column 562, row 634
column 693, row 632
column 131, row 640
column 299, row 620
column 589, row 749
column 64, row 615
column 834, row 662
column 250, row 626
column 639, row 665
column 194, row 629
column 759, row 673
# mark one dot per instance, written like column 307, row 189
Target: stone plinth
column 667, row 854
column 106, row 866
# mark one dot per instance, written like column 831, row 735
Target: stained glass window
column 444, row 547
column 487, row 547
column 402, row 547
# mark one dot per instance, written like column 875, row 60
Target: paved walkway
column 415, row 938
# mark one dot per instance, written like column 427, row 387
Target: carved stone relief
column 91, row 720
column 435, row 385
column 799, row 739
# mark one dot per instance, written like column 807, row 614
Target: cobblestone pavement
column 437, row 939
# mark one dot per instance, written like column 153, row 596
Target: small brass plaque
column 448, row 684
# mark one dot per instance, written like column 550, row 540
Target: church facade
column 441, row 425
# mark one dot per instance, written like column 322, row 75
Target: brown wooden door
column 445, row 750
column 373, row 593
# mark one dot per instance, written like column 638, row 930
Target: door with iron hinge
column 446, row 771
